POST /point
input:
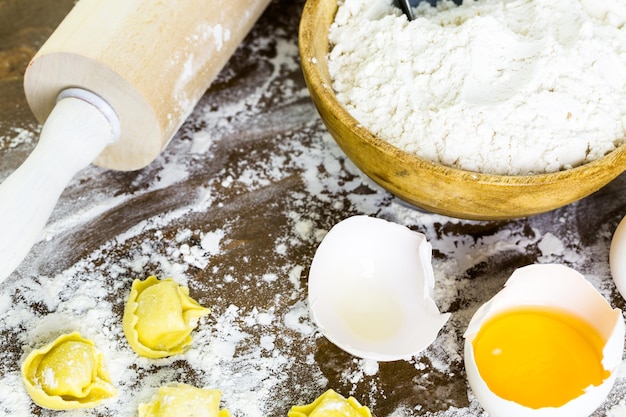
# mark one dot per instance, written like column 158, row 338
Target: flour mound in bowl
column 492, row 86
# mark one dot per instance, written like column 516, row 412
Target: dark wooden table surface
column 234, row 208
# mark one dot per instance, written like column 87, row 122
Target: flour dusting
column 234, row 209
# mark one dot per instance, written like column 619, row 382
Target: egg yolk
column 539, row 357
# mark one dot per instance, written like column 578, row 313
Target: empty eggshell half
column 370, row 289
column 617, row 257
column 558, row 287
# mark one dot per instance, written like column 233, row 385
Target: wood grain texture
column 150, row 60
column 435, row 187
column 257, row 120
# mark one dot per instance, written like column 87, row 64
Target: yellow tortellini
column 184, row 400
column 67, row 373
column 331, row 404
column 159, row 317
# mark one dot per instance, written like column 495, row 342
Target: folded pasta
column 182, row 400
column 67, row 373
column 159, row 317
column 331, row 404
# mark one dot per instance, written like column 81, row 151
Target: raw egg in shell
column 370, row 289
column 546, row 345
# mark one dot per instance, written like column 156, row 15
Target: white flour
column 493, row 86
column 21, row 136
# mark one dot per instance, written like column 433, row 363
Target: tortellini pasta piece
column 184, row 400
column 67, row 373
column 331, row 404
column 159, row 317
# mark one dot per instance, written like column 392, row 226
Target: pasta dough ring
column 182, row 400
column 159, row 317
column 331, row 404
column 67, row 373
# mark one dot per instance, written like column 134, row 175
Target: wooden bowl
column 431, row 186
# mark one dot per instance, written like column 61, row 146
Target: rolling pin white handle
column 79, row 127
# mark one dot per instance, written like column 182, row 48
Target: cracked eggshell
column 617, row 257
column 561, row 287
column 370, row 289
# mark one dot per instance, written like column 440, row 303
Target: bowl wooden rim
column 601, row 170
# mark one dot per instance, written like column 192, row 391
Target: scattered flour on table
column 245, row 352
column 19, row 136
column 226, row 354
column 492, row 86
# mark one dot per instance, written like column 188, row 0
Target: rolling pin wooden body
column 150, row 60
column 112, row 85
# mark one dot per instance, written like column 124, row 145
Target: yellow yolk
column 539, row 357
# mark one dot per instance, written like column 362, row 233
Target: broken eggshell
column 370, row 289
column 617, row 257
column 562, row 288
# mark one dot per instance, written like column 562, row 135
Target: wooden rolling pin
column 112, row 85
